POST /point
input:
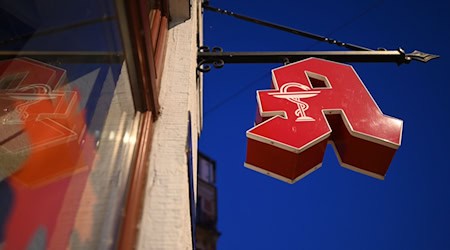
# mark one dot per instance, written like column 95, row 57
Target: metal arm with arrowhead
column 218, row 58
column 421, row 56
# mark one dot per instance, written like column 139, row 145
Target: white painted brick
column 166, row 222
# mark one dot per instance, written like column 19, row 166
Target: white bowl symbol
column 296, row 97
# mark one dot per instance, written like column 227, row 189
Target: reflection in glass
column 68, row 125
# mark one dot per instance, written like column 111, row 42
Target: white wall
column 166, row 214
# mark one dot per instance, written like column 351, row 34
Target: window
column 79, row 82
column 206, row 168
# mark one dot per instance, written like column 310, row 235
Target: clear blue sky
column 335, row 208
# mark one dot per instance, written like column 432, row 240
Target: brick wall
column 166, row 222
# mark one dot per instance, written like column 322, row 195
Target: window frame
column 144, row 54
column 144, row 25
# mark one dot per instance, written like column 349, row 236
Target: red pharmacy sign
column 314, row 102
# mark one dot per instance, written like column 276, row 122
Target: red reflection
column 49, row 153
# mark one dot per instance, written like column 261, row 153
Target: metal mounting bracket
column 217, row 58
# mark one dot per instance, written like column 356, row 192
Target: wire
column 366, row 11
column 236, row 94
column 287, row 29
column 250, row 84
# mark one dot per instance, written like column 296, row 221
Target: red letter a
column 316, row 101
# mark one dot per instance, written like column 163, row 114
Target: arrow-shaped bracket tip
column 421, row 56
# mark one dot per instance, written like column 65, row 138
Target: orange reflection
column 44, row 137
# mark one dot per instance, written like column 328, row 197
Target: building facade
column 101, row 111
column 206, row 213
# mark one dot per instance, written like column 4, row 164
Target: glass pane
column 68, row 124
column 206, row 169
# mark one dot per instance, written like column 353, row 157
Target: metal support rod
column 219, row 58
column 67, row 56
column 287, row 29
